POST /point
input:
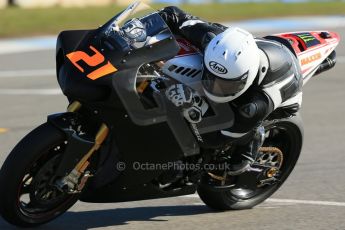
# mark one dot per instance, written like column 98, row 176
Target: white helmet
column 232, row 61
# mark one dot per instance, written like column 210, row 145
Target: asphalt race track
column 312, row 198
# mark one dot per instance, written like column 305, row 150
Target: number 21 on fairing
column 93, row 61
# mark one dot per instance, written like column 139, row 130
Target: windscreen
column 136, row 27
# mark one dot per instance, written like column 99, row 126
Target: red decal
column 186, row 48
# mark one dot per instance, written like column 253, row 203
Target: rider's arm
column 195, row 30
column 192, row 105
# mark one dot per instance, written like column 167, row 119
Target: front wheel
column 285, row 135
column 28, row 196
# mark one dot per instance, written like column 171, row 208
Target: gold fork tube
column 74, row 107
column 100, row 138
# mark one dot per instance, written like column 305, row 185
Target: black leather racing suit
column 279, row 79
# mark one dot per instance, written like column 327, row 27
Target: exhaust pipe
column 327, row 64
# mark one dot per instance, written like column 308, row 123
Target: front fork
column 75, row 180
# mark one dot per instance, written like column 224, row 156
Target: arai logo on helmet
column 218, row 68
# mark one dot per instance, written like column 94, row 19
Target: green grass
column 20, row 22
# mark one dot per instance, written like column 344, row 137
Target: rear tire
column 30, row 158
column 230, row 200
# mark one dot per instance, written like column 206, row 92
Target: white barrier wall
column 63, row 3
column 36, row 3
column 127, row 2
column 82, row 3
column 68, row 3
column 3, row 3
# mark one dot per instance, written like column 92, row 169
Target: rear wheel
column 247, row 191
column 28, row 196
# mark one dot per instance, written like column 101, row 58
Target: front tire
column 238, row 198
column 28, row 198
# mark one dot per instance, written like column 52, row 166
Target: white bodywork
column 191, row 70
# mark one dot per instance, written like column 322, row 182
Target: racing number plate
column 99, row 66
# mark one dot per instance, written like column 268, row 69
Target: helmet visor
column 223, row 87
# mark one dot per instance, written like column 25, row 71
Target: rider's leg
column 250, row 110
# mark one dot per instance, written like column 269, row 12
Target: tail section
column 314, row 50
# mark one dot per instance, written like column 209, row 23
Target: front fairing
column 110, row 45
column 101, row 71
column 101, row 56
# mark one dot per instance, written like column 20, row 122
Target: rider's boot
column 248, row 153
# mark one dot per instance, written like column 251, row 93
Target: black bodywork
column 137, row 134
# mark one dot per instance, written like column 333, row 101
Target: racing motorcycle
column 119, row 129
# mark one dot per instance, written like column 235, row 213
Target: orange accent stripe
column 93, row 60
column 102, row 71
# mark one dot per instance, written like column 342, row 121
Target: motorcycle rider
column 254, row 76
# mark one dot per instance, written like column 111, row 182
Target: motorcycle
column 122, row 140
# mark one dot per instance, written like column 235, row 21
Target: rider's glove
column 180, row 95
column 194, row 113
column 193, row 106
